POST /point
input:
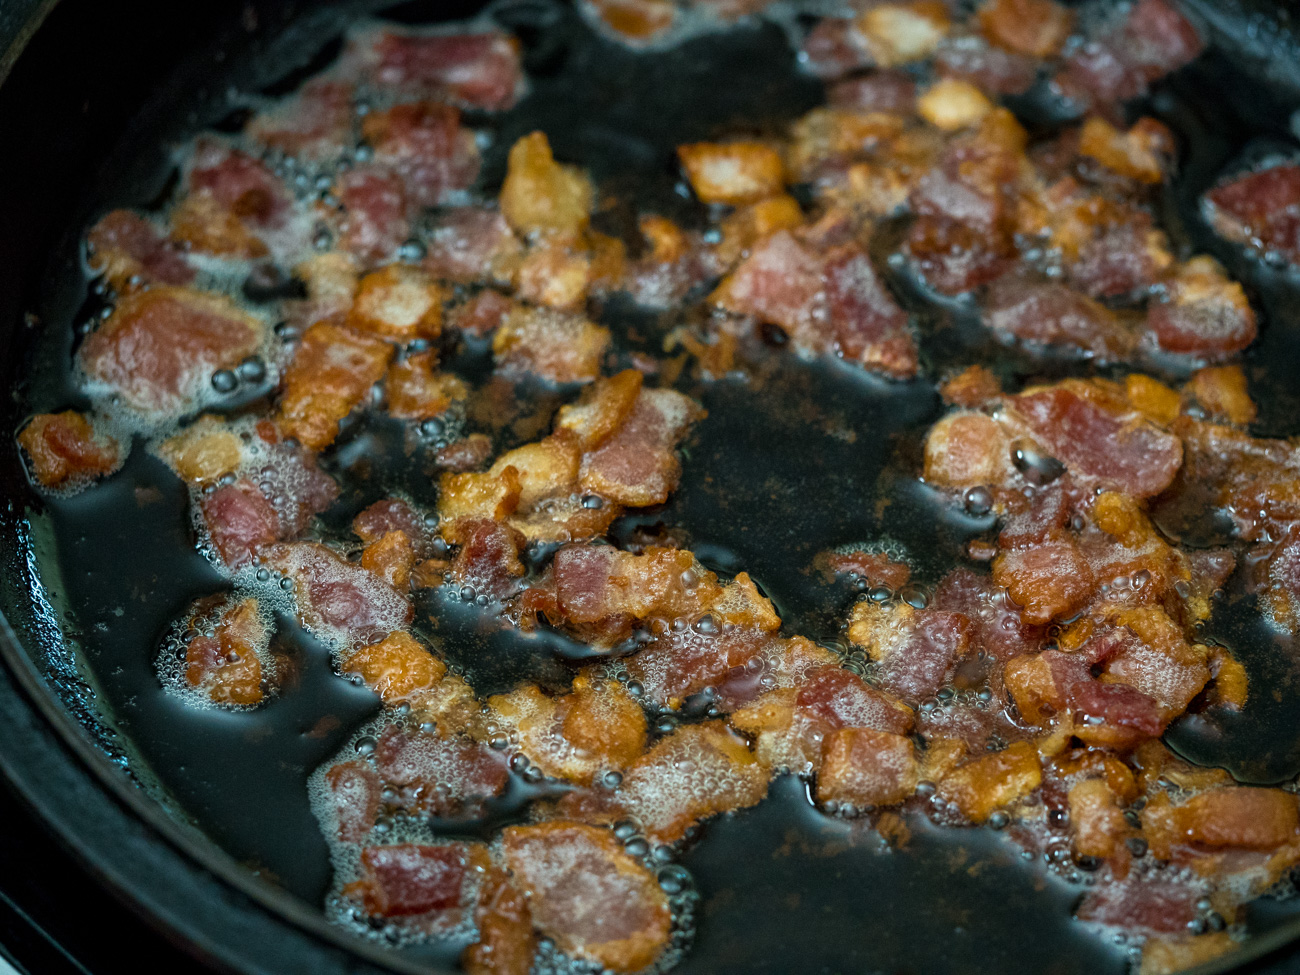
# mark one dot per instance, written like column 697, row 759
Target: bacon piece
column 636, row 22
column 952, row 104
column 990, row 68
column 1049, row 580
column 1109, row 248
column 339, row 601
column 376, row 212
column 637, row 465
column 471, row 244
column 225, row 667
column 684, row 662
column 488, row 560
column 241, row 522
column 973, row 387
column 560, row 347
column 1222, row 391
column 474, row 70
column 874, row 568
column 332, row 371
column 1050, row 313
column 1124, row 451
column 203, row 452
column 698, row 771
column 394, row 514
column 540, row 195
column 314, row 124
column 866, row 768
column 232, row 198
column 603, row 408
column 1144, row 903
column 834, row 48
column 424, row 145
column 1144, row 153
column 879, row 91
column 596, row 727
column 481, row 315
column 898, row 33
column 1160, row 663
column 417, row 392
column 128, row 250
column 353, row 799
column 967, row 449
column 917, row 649
column 1206, row 314
column 827, row 303
column 506, row 942
column 398, row 668
column 732, row 172
column 64, row 448
column 1236, row 817
column 981, row 786
column 585, row 892
column 160, row 347
column 954, row 257
column 1260, row 209
column 399, row 302
column 996, row 623
column 435, row 775
column 1037, row 28
column 411, row 879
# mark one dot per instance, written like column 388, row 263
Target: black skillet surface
column 803, row 458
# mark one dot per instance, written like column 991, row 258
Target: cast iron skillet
column 81, row 69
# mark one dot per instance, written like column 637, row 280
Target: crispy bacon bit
column 417, row 392
column 542, row 196
column 698, row 771
column 1049, row 579
column 603, row 408
column 339, row 601
column 1207, row 315
column 439, row 775
column 874, row 568
column 1236, row 817
column 596, row 727
column 64, row 448
column 917, row 649
column 879, row 91
column 967, row 449
column 472, row 244
column 983, row 785
column 400, row 302
column 826, row 303
column 225, row 666
column 160, row 347
column 354, row 799
column 204, row 451
column 332, row 371
column 241, row 521
column 465, row 455
column 398, row 668
column 1126, row 452
column 488, row 560
column 866, row 768
column 1223, row 393
column 584, row 891
column 391, row 558
column 732, row 172
column 1260, row 209
column 506, row 942
column 394, row 514
column 475, row 70
column 834, row 48
column 1144, row 902
column 1034, row 27
column 638, row 466
column 232, row 198
column 560, row 347
column 973, row 387
column 481, row 315
column 1144, row 153
column 555, row 274
column 635, row 21
column 898, row 33
column 952, row 104
column 376, row 213
column 128, row 250
column 411, row 879
column 424, row 145
column 1053, row 314
column 315, row 124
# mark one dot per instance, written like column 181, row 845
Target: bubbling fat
column 204, row 621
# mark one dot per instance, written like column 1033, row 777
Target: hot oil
column 800, row 458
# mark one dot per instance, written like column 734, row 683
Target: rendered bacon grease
column 1026, row 691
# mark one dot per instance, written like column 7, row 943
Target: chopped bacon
column 411, row 879
column 475, row 70
column 834, row 48
column 441, row 776
column 1206, row 314
column 698, row 771
column 979, row 787
column 540, row 195
column 399, row 302
column 241, row 522
column 353, row 799
column 917, row 649
column 1050, row 313
column 225, row 666
column 1035, row 27
column 128, row 250
column 488, row 560
column 638, row 466
column 376, row 212
column 636, row 22
column 417, row 392
column 315, row 124
column 232, row 199
column 160, row 347
column 684, row 661
column 874, row 568
column 506, row 942
column 1144, row 153
column 1124, row 451
column 557, row 346
column 424, row 145
column 973, row 387
column 833, row 302
column 1144, row 902
column 584, row 891
column 952, row 104
column 989, row 68
column 394, row 514
column 332, row 371
column 967, row 449
column 65, row 448
column 339, row 601
column 1235, row 817
column 866, row 768
column 879, row 91
column 1260, row 209
column 996, row 623
column 1049, row 579
column 398, row 667
column 954, row 257
column 898, row 33
column 481, row 315
column 732, row 172
column 471, row 244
